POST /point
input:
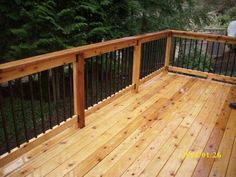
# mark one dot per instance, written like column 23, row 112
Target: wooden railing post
column 168, row 50
column 78, row 81
column 136, row 65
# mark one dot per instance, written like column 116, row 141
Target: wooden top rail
column 20, row 68
column 24, row 67
column 204, row 36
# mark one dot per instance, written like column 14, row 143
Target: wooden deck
column 146, row 134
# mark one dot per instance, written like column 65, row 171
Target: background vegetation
column 34, row 27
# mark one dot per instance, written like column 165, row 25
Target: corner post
column 168, row 50
column 78, row 85
column 136, row 65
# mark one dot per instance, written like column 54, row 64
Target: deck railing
column 205, row 55
column 42, row 95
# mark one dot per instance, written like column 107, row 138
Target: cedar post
column 78, row 81
column 168, row 50
column 136, row 65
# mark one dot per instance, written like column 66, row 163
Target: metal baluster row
column 152, row 56
column 33, row 104
column 106, row 74
column 206, row 56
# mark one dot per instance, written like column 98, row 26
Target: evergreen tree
column 34, row 27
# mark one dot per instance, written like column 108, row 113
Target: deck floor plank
column 101, row 125
column 176, row 159
column 165, row 153
column 178, row 115
column 174, row 87
column 231, row 172
column 220, row 165
column 145, row 134
column 104, row 168
column 204, row 165
column 189, row 164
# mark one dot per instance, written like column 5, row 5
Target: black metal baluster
column 149, row 61
column 54, row 83
column 233, row 65
column 189, row 54
column 41, row 101
column 71, row 88
column 160, row 51
column 121, row 69
column 179, row 53
column 4, row 122
column 23, row 109
column 227, row 64
column 49, row 99
column 183, row 59
column 129, row 58
column 159, row 54
column 145, row 59
column 217, row 54
column 64, row 92
column 131, row 64
column 200, row 55
column 149, row 55
column 204, row 62
column 151, row 65
column 153, row 57
column 114, row 75
column 96, row 58
column 111, row 70
column 106, row 72
column 32, row 105
column 212, row 49
column 141, row 61
column 195, row 52
column 101, row 90
column 164, row 51
column 126, row 66
column 174, row 50
column 86, row 80
column 92, row 81
column 119, row 74
column 222, row 59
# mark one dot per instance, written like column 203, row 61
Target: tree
column 34, row 27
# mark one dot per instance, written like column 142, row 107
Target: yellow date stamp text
column 191, row 154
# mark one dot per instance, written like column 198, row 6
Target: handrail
column 203, row 36
column 191, row 49
column 78, row 57
column 53, row 59
column 116, row 43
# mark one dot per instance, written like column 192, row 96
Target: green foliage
column 34, row 27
